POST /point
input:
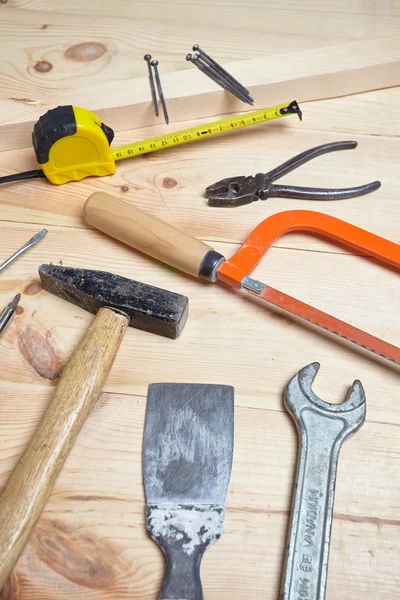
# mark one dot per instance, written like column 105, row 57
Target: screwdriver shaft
column 8, row 312
column 36, row 238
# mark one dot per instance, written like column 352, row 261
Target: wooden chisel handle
column 29, row 485
column 134, row 227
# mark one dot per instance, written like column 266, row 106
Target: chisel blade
column 187, row 460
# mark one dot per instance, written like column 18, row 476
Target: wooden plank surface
column 332, row 72
column 91, row 541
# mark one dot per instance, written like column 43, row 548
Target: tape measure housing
column 72, row 143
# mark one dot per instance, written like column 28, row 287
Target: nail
column 223, row 81
column 221, row 70
column 216, row 78
column 147, row 58
column 154, row 64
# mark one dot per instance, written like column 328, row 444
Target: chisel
column 120, row 219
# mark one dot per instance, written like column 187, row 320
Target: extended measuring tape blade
column 72, row 143
column 206, row 130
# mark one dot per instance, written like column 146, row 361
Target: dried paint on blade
column 191, row 525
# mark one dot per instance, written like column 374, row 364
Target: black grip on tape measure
column 52, row 126
column 109, row 133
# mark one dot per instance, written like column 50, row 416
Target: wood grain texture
column 51, row 46
column 170, row 184
column 91, row 541
column 356, row 19
column 25, row 493
column 232, row 332
column 305, row 75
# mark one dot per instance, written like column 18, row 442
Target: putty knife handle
column 29, row 485
column 138, row 229
column 184, row 532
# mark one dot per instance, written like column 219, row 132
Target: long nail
column 147, row 58
column 212, row 75
column 231, row 87
column 154, row 64
column 217, row 67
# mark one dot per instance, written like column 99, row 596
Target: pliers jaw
column 237, row 191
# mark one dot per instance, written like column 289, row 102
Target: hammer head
column 148, row 308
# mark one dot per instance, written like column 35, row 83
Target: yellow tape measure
column 204, row 131
column 72, row 143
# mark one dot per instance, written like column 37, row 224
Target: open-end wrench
column 322, row 428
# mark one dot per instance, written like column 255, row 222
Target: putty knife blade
column 187, row 460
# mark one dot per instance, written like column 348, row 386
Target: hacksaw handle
column 142, row 231
column 30, row 484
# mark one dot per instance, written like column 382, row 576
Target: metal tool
column 147, row 58
column 241, row 190
column 164, row 242
column 322, row 429
column 216, row 77
column 212, row 69
column 61, row 131
column 187, row 460
column 117, row 303
column 34, row 240
column 154, row 64
column 8, row 313
column 207, row 58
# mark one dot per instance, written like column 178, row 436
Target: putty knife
column 187, row 460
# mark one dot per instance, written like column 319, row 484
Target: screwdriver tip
column 38, row 236
column 15, row 301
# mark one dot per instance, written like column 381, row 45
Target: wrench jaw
column 299, row 396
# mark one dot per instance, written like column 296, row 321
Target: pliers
column 237, row 191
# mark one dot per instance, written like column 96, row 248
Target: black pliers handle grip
column 237, row 191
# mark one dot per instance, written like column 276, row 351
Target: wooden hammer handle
column 138, row 229
column 29, row 485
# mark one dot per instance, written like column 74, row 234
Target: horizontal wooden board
column 304, row 75
column 91, row 538
column 48, row 49
column 355, row 19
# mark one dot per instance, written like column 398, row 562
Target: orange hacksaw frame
column 236, row 270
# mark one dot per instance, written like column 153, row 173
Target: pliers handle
column 237, row 191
